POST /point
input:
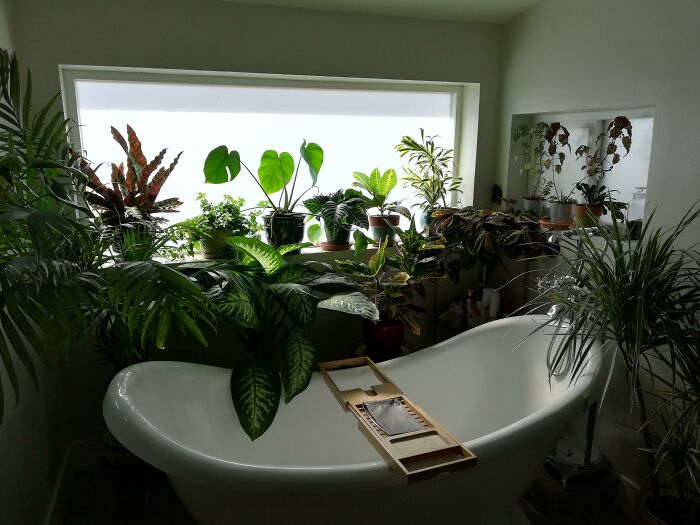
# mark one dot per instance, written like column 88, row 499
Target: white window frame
column 465, row 110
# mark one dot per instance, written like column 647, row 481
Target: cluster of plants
column 543, row 150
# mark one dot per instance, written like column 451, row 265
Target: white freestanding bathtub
column 314, row 467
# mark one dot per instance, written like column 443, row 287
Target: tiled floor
column 120, row 489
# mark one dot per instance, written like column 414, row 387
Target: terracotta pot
column 284, row 228
column 586, row 216
column 383, row 339
column 381, row 226
column 213, row 244
column 337, row 242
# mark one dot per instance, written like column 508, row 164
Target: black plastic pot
column 339, row 241
column 284, row 228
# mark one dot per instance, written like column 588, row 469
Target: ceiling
column 495, row 11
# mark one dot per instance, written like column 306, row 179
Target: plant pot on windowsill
column 586, row 216
column 284, row 228
column 381, row 227
column 534, row 206
column 383, row 339
column 561, row 212
column 338, row 241
column 213, row 244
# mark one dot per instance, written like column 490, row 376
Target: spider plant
column 642, row 297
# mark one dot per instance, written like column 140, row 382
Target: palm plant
column 642, row 297
column 270, row 303
column 430, row 172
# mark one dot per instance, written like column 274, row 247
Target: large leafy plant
column 378, row 186
column 597, row 165
column 339, row 210
column 391, row 280
column 275, row 173
column 271, row 304
column 480, row 236
column 556, row 139
column 643, row 298
column 132, row 193
column 430, row 171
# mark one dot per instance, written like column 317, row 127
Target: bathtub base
column 208, row 507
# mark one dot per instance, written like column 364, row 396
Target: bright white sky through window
column 357, row 130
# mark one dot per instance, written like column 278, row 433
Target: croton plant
column 135, row 186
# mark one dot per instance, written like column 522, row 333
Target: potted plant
column 596, row 196
column 272, row 304
column 560, row 205
column 339, row 211
column 532, row 145
column 378, row 187
column 283, row 225
column 642, row 298
column 430, row 174
column 217, row 222
column 390, row 281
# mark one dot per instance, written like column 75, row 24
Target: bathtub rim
column 139, row 435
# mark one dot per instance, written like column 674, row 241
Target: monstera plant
column 271, row 303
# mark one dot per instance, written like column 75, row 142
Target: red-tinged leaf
column 160, row 178
column 130, row 177
column 96, row 200
column 120, row 139
column 152, row 166
column 135, row 151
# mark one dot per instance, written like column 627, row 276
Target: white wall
column 224, row 36
column 6, row 36
column 568, row 55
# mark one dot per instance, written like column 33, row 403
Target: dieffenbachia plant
column 271, row 303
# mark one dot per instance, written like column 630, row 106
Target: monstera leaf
column 313, row 156
column 221, row 165
column 275, row 171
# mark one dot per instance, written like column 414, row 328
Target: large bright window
column 356, row 126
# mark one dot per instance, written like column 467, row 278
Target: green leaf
column 256, row 392
column 313, row 156
column 286, row 248
column 386, row 182
column 221, row 165
column 270, row 259
column 376, row 262
column 298, row 358
column 239, row 307
column 361, row 242
column 315, row 233
column 401, row 210
column 353, row 303
column 275, row 170
column 363, row 181
column 332, row 283
column 296, row 300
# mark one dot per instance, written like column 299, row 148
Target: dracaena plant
column 277, row 173
column 378, row 186
column 340, row 210
column 597, row 165
column 430, row 171
column 272, row 303
column 132, row 193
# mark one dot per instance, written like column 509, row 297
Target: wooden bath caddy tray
column 416, row 455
